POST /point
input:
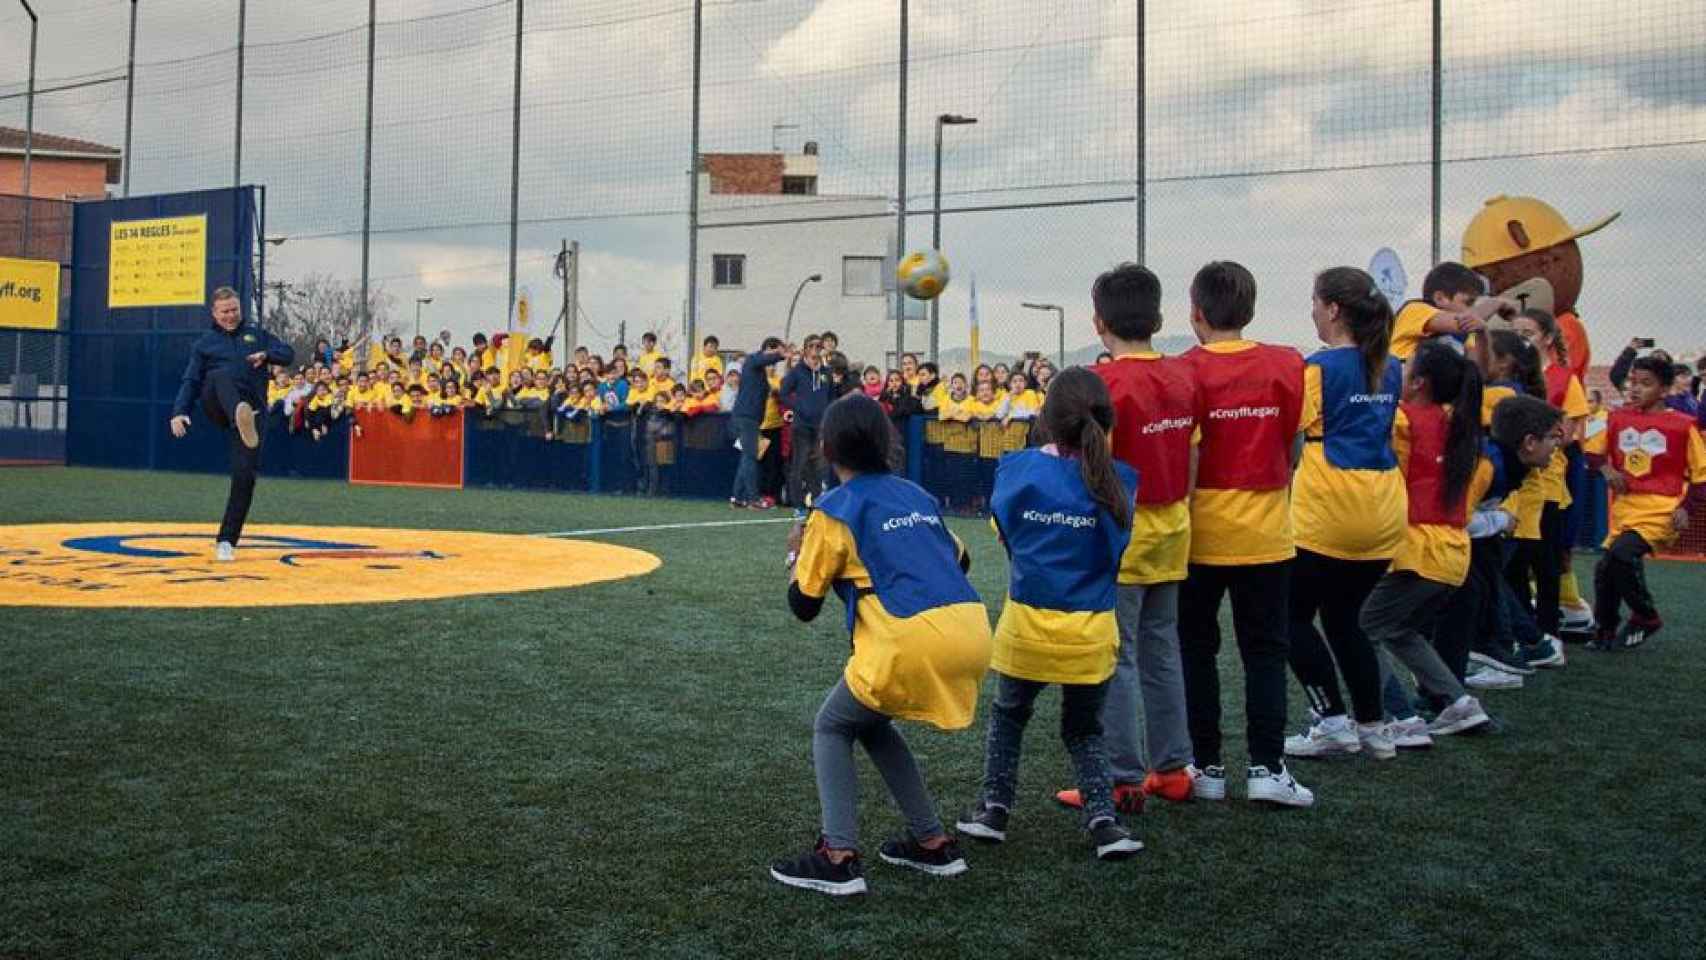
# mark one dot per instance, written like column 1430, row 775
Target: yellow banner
column 29, row 294
column 158, row 263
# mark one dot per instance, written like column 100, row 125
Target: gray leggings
column 841, row 720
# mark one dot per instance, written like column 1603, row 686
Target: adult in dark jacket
column 748, row 414
column 805, row 392
column 227, row 376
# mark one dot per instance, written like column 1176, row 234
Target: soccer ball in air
column 923, row 274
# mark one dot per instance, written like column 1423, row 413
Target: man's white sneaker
column 1461, row 717
column 1278, row 786
column 224, row 552
column 1487, row 678
column 1326, row 737
column 1410, row 733
column 1208, row 783
column 1377, row 741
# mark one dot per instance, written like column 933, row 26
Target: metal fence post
column 29, row 129
column 1142, row 138
column 900, row 193
column 1438, row 136
column 237, row 157
column 515, row 161
column 129, row 97
column 367, row 197
column 692, row 193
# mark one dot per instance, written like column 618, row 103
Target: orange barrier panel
column 424, row 451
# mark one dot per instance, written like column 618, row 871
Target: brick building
column 62, row 169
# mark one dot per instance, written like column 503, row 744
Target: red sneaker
column 1128, row 798
column 1173, row 786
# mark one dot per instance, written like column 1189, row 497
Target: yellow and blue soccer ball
column 923, row 274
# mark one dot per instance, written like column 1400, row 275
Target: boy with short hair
column 1449, row 293
column 1156, row 401
column 708, row 360
column 1241, row 535
column 649, row 352
column 1653, row 455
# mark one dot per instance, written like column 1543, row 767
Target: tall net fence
column 1289, row 136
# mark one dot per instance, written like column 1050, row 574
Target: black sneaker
column 1112, row 841
column 944, row 861
column 815, row 871
column 984, row 822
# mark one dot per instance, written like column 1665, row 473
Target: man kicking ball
column 227, row 370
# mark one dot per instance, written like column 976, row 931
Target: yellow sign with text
column 172, row 565
column 158, row 263
column 29, row 294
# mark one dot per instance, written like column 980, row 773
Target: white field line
column 568, row 534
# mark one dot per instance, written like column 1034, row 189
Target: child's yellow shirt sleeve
column 823, row 554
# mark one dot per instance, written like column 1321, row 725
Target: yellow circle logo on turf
column 172, row 565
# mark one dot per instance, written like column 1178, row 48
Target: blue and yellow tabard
column 1347, row 499
column 1064, row 551
column 171, row 565
column 920, row 634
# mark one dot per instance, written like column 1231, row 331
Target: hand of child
column 1679, row 519
column 1615, row 480
column 796, row 536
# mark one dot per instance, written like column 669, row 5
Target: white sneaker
column 1410, row 733
column 1376, row 740
column 1487, row 678
column 1461, row 717
column 1327, row 737
column 1208, row 783
column 1278, row 786
column 1577, row 617
column 244, row 415
column 224, row 552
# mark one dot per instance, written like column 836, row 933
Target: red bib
column 1651, row 450
column 1252, row 400
column 1424, row 474
column 1155, row 412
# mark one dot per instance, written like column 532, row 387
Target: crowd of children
column 1393, row 509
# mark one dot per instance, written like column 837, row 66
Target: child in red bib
column 1652, row 455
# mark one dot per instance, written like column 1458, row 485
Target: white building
column 756, row 247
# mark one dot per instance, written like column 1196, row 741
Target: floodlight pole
column 29, row 128
column 129, row 96
column 900, row 190
column 942, row 120
column 242, row 29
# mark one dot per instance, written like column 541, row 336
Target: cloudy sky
column 1286, row 134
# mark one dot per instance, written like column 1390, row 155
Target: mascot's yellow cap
column 1509, row 227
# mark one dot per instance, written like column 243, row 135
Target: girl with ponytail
column 1437, row 439
column 1064, row 513
column 1350, row 400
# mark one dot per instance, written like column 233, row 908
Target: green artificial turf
column 607, row 771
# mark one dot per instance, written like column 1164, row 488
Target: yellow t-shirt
column 488, row 396
column 533, row 393
column 649, row 358
column 640, row 394
column 1436, row 551
column 322, row 402
column 1348, row 514
column 1241, row 527
column 979, row 410
column 539, row 361
column 926, row 667
column 403, row 404
column 701, row 364
column 276, row 393
column 1025, row 402
column 1650, row 514
column 772, row 406
column 1556, row 484
column 1409, row 327
column 1160, row 547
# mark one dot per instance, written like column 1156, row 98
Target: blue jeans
column 1080, row 728
column 746, row 475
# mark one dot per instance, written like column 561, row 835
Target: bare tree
column 323, row 307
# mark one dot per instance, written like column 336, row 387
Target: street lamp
column 942, row 120
column 418, row 302
column 788, row 330
column 1060, row 316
